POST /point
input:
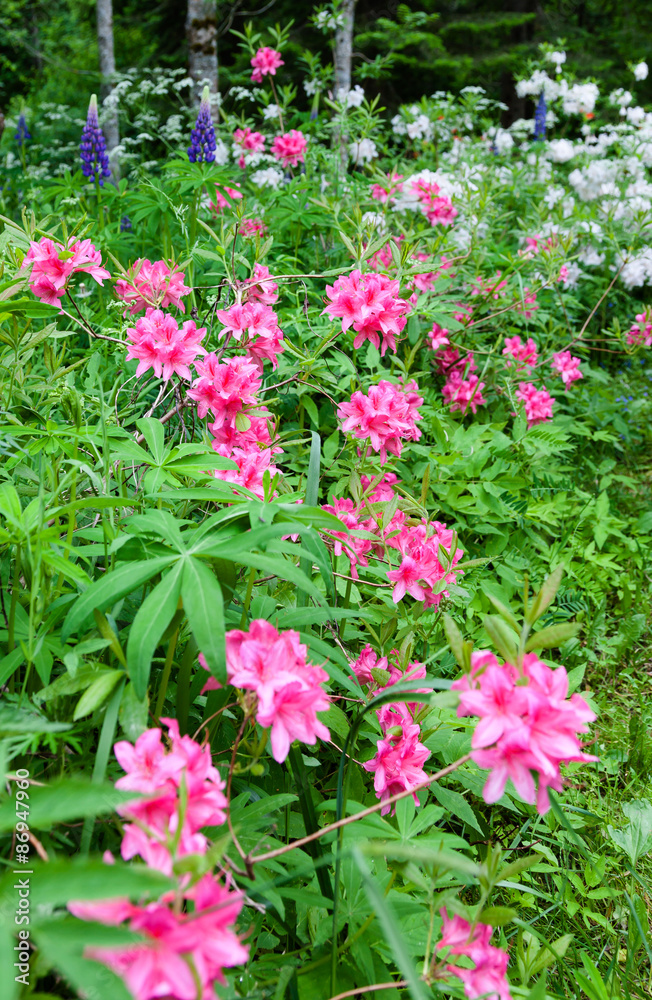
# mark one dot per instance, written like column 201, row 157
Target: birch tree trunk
column 344, row 46
column 104, row 10
column 201, row 32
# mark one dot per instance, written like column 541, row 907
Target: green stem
column 183, row 685
column 14, row 600
column 102, row 758
column 167, row 668
column 247, row 600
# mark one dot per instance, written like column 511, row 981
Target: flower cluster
column 265, row 62
column 397, row 765
column 641, row 331
column 158, row 342
column 421, row 548
column 22, row 133
column 288, row 690
column 53, row 264
column 525, row 354
column 187, row 936
column 224, row 388
column 202, row 138
column 92, row 149
column 255, row 326
column 528, row 725
column 487, row 978
column 387, row 416
column 290, row 148
column 537, row 403
column 371, row 305
column 157, row 284
column 568, row 367
column 437, row 208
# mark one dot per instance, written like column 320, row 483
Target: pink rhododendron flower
column 255, row 325
column 641, row 331
column 181, row 951
column 253, row 142
column 385, row 192
column 252, row 464
column 398, row 764
column 221, row 200
column 438, row 336
column 488, row 977
column 225, row 388
column 526, row 353
column 157, row 342
column 146, row 285
column 492, row 288
column 421, row 573
column 463, row 394
column 355, row 549
column 387, row 416
column 382, row 487
column 537, row 402
column 53, row 264
column 568, row 367
column 370, row 304
column 289, row 690
column 252, row 227
column 256, row 432
column 290, row 148
column 261, row 286
column 463, row 313
column 266, row 61
column 528, row 305
column 437, row 209
column 528, row 725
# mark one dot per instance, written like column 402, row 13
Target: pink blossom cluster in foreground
column 398, row 763
column 157, row 285
column 52, row 265
column 385, row 417
column 253, row 323
column 641, row 331
column 370, row 304
column 189, row 936
column 487, row 977
column 288, row 690
column 157, row 341
column 528, row 725
column 537, row 403
column 265, row 63
column 437, row 208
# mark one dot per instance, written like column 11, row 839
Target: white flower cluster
column 350, row 98
column 363, row 151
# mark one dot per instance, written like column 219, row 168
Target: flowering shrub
column 290, row 490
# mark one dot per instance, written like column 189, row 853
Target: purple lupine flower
column 202, row 140
column 22, row 132
column 125, row 224
column 540, row 117
column 92, row 149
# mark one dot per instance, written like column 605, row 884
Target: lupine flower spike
column 92, row 148
column 22, row 132
column 540, row 117
column 202, row 140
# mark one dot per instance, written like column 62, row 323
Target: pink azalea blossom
column 261, row 286
column 148, row 284
column 288, row 689
column 386, row 192
column 641, row 331
column 526, row 353
column 252, row 464
column 387, row 416
column 266, row 61
column 252, row 227
column 225, row 388
column 463, row 394
column 421, row 572
column 568, row 367
column 253, row 142
column 354, row 548
column 255, row 325
column 437, row 208
column 528, row 726
column 290, row 148
column 157, row 342
column 371, row 305
column 492, row 288
column 53, row 264
column 537, row 402
column 398, row 764
column 488, row 976
column 221, row 200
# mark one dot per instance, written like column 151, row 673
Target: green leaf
column 391, row 926
column 203, row 604
column 62, row 944
column 10, row 663
column 154, row 434
column 497, row 916
column 110, row 588
column 455, row 639
column 504, row 611
column 457, row 805
column 154, row 616
column 97, row 693
column 502, row 637
column 62, row 801
column 553, row 636
column 542, row 601
column 635, row 839
column 133, row 714
column 520, row 865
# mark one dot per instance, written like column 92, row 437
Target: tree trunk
column 201, row 32
column 104, row 9
column 344, row 47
